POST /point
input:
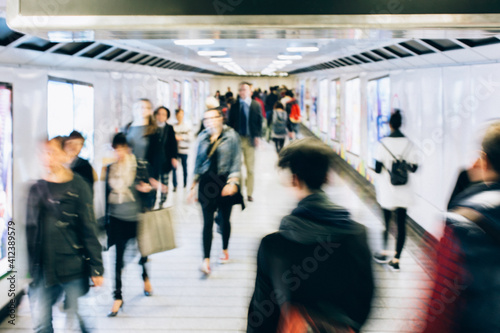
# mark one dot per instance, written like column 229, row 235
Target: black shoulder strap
column 388, row 150
column 404, row 151
column 214, row 147
column 126, row 128
column 476, row 217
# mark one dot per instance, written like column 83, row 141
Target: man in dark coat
column 245, row 116
column 318, row 263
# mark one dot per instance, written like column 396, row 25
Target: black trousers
column 279, row 144
column 124, row 231
column 401, row 223
column 209, row 197
column 183, row 158
column 208, row 224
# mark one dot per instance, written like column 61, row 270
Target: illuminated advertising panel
column 5, row 175
column 353, row 116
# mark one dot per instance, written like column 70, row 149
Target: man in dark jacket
column 161, row 154
column 271, row 99
column 319, row 261
column 466, row 295
column 73, row 145
column 63, row 249
column 245, row 117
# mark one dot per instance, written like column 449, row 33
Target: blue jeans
column 43, row 298
column 184, row 159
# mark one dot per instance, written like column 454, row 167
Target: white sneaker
column 205, row 268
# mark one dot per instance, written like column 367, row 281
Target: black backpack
column 399, row 169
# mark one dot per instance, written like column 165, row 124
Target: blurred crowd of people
column 315, row 272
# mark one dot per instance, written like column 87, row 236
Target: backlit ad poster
column 334, row 110
column 6, row 250
column 323, row 106
column 353, row 116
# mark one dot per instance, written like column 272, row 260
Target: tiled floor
column 185, row 302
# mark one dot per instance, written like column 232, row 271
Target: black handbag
column 235, row 199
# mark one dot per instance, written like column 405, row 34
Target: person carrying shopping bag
column 125, row 180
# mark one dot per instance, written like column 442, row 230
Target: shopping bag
column 156, row 232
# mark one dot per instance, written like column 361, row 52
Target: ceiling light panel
column 289, row 57
column 194, row 42
column 212, row 53
column 221, row 59
column 302, row 49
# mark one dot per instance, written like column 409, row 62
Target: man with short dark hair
column 466, row 296
column 73, row 145
column 318, row 263
column 245, row 116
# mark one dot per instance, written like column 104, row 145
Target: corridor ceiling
column 254, row 43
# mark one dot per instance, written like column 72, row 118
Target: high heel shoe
column 150, row 291
column 114, row 313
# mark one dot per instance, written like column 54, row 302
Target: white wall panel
column 418, row 94
column 444, row 113
column 485, row 99
column 457, row 139
column 430, row 189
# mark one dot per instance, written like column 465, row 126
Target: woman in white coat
column 393, row 185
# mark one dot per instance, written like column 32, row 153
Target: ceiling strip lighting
column 302, row 49
column 190, row 42
column 221, row 59
column 289, row 57
column 212, row 53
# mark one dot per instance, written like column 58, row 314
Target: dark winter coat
column 161, row 150
column 61, row 233
column 319, row 259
